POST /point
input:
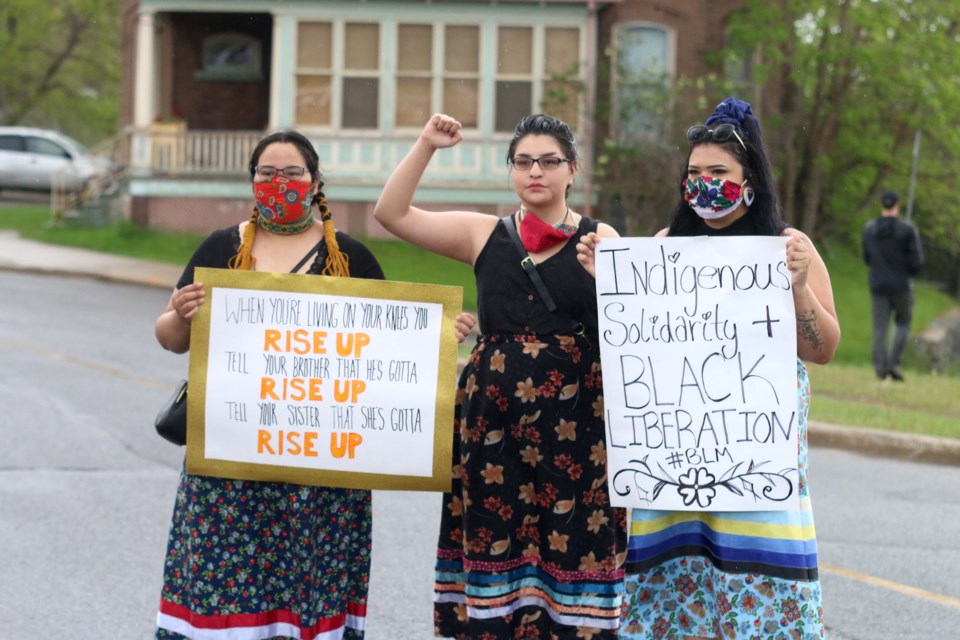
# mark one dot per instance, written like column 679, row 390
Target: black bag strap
column 310, row 253
column 528, row 264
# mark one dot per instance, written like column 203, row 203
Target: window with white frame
column 461, row 73
column 562, row 86
column 538, row 69
column 643, row 71
column 314, row 74
column 360, row 98
column 437, row 68
column 737, row 64
column 414, row 74
column 356, row 84
column 515, row 76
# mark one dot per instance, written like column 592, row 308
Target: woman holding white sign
column 736, row 575
column 262, row 559
column 529, row 545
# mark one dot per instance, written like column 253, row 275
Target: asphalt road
column 87, row 489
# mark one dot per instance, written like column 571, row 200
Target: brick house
column 204, row 79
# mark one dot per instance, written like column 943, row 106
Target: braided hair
column 337, row 263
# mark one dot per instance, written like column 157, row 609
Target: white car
column 29, row 159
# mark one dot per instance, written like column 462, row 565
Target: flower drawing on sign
column 700, row 486
column 696, row 485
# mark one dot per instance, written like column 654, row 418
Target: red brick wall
column 205, row 104
column 200, row 215
column 216, row 105
column 698, row 26
column 203, row 215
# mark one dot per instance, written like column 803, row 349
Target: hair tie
column 732, row 111
column 338, row 263
column 244, row 259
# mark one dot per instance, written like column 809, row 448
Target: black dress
column 529, row 545
column 263, row 560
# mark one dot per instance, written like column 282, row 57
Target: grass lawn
column 849, row 394
column 845, row 392
column 848, row 275
column 400, row 261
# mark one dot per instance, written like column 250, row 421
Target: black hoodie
column 891, row 249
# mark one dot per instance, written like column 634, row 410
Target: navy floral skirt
column 265, row 560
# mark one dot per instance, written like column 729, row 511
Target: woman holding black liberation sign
column 735, row 575
column 262, row 559
column 529, row 546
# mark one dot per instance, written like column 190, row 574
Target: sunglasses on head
column 720, row 133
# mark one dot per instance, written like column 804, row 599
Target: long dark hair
column 765, row 210
column 298, row 140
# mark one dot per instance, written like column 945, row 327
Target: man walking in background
column 892, row 251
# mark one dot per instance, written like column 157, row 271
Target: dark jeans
column 901, row 306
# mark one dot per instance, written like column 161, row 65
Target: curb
column 148, row 281
column 887, row 444
column 31, row 256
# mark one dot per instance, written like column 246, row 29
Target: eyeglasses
column 721, row 133
column 547, row 163
column 268, row 172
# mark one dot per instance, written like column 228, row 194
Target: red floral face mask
column 283, row 201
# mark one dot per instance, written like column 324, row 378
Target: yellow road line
column 893, row 586
column 89, row 364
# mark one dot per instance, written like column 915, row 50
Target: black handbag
column 171, row 422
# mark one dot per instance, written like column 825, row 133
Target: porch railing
column 201, row 152
column 169, row 152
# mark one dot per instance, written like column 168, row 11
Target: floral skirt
column 529, row 545
column 261, row 560
column 729, row 575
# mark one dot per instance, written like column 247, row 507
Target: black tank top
column 508, row 302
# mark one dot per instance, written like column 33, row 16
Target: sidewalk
column 18, row 254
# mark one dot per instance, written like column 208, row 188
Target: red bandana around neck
column 537, row 235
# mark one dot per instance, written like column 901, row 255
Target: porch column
column 144, row 99
column 276, row 68
column 589, row 134
column 144, row 87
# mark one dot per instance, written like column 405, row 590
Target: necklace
column 563, row 218
column 555, row 225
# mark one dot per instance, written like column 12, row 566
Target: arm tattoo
column 808, row 330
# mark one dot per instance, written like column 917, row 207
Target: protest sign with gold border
column 340, row 382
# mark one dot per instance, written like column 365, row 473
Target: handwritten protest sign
column 325, row 381
column 698, row 343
